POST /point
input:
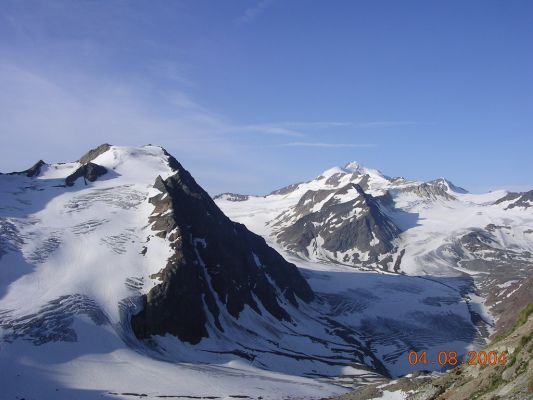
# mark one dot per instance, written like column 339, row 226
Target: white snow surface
column 427, row 224
column 78, row 236
column 85, row 241
column 427, row 303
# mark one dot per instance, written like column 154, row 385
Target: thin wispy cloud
column 298, row 126
column 205, row 83
column 326, row 145
column 70, row 116
column 341, row 124
column 67, row 116
column 169, row 70
column 313, row 124
column 253, row 12
column 291, row 128
column 384, row 124
column 269, row 129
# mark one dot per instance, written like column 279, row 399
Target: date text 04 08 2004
column 450, row 358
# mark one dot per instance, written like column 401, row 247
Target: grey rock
column 89, row 172
column 287, row 189
column 524, row 199
column 93, row 153
column 31, row 172
column 216, row 262
column 358, row 225
column 231, row 196
column 430, row 191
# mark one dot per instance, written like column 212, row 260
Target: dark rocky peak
column 314, row 201
column 216, row 269
column 335, row 178
column 33, row 171
column 520, row 199
column 93, row 153
column 89, row 172
column 345, row 226
column 172, row 162
column 352, row 186
column 310, row 199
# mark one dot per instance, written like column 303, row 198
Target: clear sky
column 253, row 95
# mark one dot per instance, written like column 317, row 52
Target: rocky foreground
column 512, row 381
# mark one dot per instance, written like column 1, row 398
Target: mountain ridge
column 139, row 267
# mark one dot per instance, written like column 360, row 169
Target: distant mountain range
column 358, row 217
column 120, row 276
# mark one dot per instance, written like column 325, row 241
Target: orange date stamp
column 450, row 358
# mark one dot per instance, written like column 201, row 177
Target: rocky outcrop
column 231, row 197
column 429, row 191
column 344, row 225
column 93, row 153
column 89, row 172
column 217, row 267
column 33, row 171
column 287, row 189
column 511, row 378
column 447, row 186
column 524, row 199
column 506, row 304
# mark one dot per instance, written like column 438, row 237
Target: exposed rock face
column 218, row 266
column 35, row 170
column 344, row 225
column 524, row 199
column 231, row 197
column 447, row 186
column 320, row 220
column 430, row 191
column 508, row 305
column 485, row 251
column 286, row 189
column 89, row 172
column 497, row 267
column 93, row 153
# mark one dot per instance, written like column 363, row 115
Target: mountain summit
column 217, row 266
column 121, row 259
column 119, row 274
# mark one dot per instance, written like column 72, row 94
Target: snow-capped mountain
column 121, row 277
column 217, row 266
column 121, row 258
column 357, row 216
column 361, row 218
column 345, row 225
column 346, row 215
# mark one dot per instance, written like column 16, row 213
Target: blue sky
column 254, row 95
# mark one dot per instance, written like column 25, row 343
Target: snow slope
column 455, row 249
column 75, row 261
column 433, row 217
column 71, row 274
